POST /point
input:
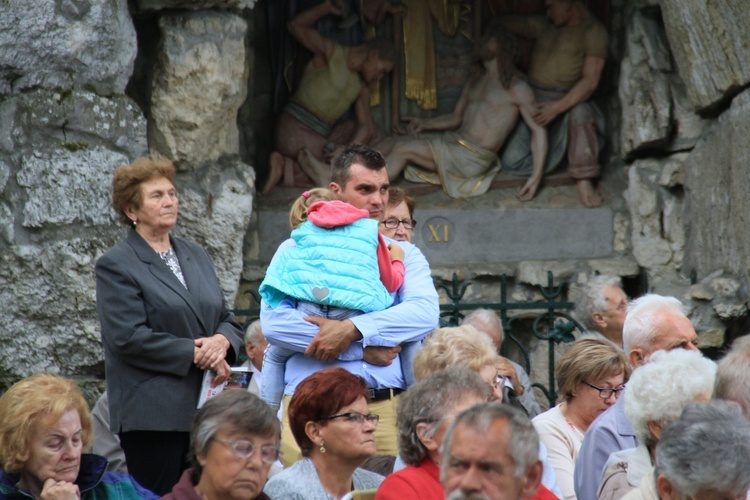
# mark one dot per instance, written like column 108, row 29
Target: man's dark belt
column 383, row 394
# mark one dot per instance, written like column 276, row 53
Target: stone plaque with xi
column 485, row 236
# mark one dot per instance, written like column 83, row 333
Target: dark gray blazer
column 148, row 324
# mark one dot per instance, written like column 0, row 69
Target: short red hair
column 321, row 395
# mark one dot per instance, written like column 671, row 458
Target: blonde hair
column 37, row 400
column 455, row 346
column 589, row 358
column 298, row 213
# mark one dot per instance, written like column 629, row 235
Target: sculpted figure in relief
column 336, row 78
column 570, row 48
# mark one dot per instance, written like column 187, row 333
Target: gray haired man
column 600, row 307
column 491, row 451
column 704, row 454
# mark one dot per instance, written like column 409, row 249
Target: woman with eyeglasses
column 330, row 420
column 591, row 375
column 45, row 429
column 398, row 222
column 234, row 440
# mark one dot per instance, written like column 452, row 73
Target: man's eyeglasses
column 606, row 392
column 355, row 417
column 244, row 449
column 393, row 223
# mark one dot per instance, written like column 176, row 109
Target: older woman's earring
column 322, row 447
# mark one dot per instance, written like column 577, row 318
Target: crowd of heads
column 446, row 415
column 453, row 415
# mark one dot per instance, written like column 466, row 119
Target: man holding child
column 367, row 345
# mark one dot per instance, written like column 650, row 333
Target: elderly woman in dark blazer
column 164, row 321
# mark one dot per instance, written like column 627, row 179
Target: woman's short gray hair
column 639, row 326
column 591, row 298
column 524, row 440
column 660, row 389
column 235, row 411
column 706, row 448
column 428, row 401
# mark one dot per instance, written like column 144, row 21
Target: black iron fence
column 550, row 320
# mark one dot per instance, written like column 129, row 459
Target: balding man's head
column 488, row 322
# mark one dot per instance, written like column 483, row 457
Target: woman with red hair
column 334, row 429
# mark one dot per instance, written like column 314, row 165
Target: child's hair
column 298, row 213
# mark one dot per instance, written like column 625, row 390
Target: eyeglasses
column 355, row 417
column 606, row 392
column 393, row 223
column 244, row 449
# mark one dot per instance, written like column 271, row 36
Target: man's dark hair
column 356, row 153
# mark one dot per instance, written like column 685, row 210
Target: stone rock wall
column 656, row 114
column 686, row 189
column 65, row 125
column 711, row 46
column 717, row 182
column 59, row 150
column 203, row 55
column 51, row 44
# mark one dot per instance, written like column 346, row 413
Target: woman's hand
column 210, row 351
column 59, row 490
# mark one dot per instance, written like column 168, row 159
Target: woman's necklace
column 565, row 409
